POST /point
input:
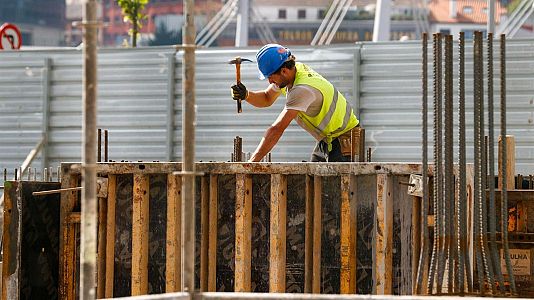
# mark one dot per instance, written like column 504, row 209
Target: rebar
column 477, row 167
column 464, row 267
column 435, row 179
column 440, row 217
column 16, row 174
column 504, row 192
column 99, row 143
column 106, row 145
column 449, row 176
column 5, row 174
column 491, row 162
column 486, row 253
column 422, row 271
column 238, row 149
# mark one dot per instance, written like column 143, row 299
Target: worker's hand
column 239, row 91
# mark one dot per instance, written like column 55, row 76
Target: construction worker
column 313, row 101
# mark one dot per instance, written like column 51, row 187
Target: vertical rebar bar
column 435, row 181
column 491, row 162
column 488, row 265
column 89, row 201
column 238, row 149
column 5, row 174
column 16, row 174
column 449, row 175
column 477, row 165
column 464, row 267
column 99, row 143
column 422, row 270
column 440, row 220
column 504, row 192
column 188, row 148
column 106, row 145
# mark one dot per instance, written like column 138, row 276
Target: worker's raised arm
column 262, row 98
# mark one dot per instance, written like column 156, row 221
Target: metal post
column 241, row 35
column 45, row 83
column 491, row 16
column 188, row 148
column 382, row 21
column 171, row 65
column 89, row 201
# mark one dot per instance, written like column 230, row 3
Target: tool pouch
column 345, row 143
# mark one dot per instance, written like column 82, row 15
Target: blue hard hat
column 270, row 58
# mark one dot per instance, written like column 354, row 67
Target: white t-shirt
column 306, row 99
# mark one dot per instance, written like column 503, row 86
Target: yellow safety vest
column 336, row 116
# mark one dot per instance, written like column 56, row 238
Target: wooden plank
column 243, row 230
column 212, row 243
column 173, row 264
column 416, row 238
column 204, row 232
column 277, row 257
column 510, row 162
column 110, row 235
column 101, row 255
column 308, row 236
column 140, row 221
column 383, row 226
column 74, row 217
column 348, row 234
column 317, row 230
column 67, row 245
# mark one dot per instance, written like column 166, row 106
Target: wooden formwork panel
column 261, row 228
column 30, row 241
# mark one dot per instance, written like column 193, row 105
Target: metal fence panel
column 381, row 80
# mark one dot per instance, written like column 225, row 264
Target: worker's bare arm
column 263, row 98
column 273, row 134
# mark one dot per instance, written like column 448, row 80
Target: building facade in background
column 42, row 22
column 454, row 16
column 291, row 22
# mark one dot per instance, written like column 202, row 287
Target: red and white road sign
column 10, row 37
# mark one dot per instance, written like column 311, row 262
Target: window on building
column 301, row 14
column 321, row 13
column 282, row 14
column 485, row 10
column 468, row 10
column 445, row 31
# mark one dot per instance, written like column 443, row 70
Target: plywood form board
column 31, row 241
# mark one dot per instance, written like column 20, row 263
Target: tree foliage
column 132, row 13
column 164, row 36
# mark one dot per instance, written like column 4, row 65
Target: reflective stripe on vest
column 327, row 117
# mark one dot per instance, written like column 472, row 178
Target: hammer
column 237, row 62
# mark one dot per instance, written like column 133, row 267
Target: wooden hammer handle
column 238, row 79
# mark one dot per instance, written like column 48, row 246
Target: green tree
column 164, row 36
column 132, row 12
